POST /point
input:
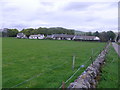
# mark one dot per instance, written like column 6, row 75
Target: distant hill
column 79, row 32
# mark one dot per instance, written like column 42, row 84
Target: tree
column 12, row 32
column 41, row 30
column 28, row 31
column 89, row 34
column 111, row 35
column 47, row 31
column 103, row 37
column 96, row 34
column 118, row 37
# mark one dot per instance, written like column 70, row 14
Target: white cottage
column 21, row 35
column 39, row 36
column 87, row 38
column 96, row 38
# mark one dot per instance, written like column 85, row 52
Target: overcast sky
column 95, row 15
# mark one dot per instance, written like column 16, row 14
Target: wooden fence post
column 92, row 56
column 63, row 85
column 73, row 64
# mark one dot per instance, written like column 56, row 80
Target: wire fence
column 37, row 75
column 75, row 73
column 86, row 62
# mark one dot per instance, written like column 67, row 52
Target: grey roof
column 71, row 36
column 78, row 37
column 84, row 37
column 35, row 35
column 49, row 36
column 57, row 35
column 21, row 34
column 62, row 36
column 68, row 36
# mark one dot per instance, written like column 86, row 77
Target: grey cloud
column 60, row 18
column 78, row 5
column 46, row 3
column 10, row 9
column 114, row 4
column 91, row 18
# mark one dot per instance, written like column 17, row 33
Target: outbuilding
column 21, row 35
column 39, row 36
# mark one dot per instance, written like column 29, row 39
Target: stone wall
column 89, row 78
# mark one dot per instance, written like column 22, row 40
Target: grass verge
column 109, row 75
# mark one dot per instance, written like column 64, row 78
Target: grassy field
column 109, row 76
column 45, row 63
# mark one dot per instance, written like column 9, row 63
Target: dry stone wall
column 89, row 78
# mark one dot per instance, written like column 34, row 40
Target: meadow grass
column 109, row 75
column 51, row 60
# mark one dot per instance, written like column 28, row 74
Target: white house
column 60, row 37
column 39, row 36
column 21, row 35
column 87, row 38
column 72, row 37
column 96, row 38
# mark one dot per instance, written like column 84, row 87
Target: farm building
column 60, row 37
column 49, row 36
column 87, row 38
column 21, row 35
column 72, row 37
column 39, row 36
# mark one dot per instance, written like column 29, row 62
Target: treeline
column 9, row 32
column 104, row 36
column 40, row 30
column 47, row 31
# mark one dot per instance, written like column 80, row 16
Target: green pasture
column 44, row 63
